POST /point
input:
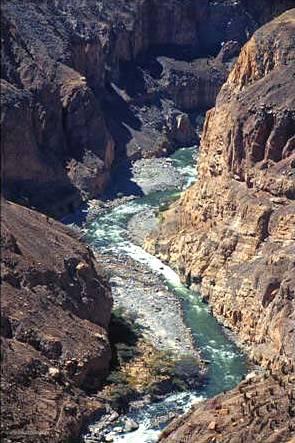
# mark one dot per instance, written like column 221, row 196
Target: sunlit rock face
column 259, row 409
column 234, row 229
column 232, row 236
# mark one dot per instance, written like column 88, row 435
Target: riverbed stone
column 130, row 425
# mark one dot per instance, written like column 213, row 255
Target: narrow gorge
column 82, row 86
column 148, row 221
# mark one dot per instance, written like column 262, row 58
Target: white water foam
column 112, row 228
column 145, row 433
column 155, row 264
column 141, row 435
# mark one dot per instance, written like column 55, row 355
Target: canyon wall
column 232, row 237
column 55, row 311
column 260, row 410
column 232, row 233
column 58, row 61
column 56, row 148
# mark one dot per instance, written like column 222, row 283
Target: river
column 227, row 365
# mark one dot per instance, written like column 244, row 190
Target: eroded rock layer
column 55, row 310
column 232, row 235
column 233, row 231
column 261, row 410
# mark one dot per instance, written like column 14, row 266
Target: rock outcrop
column 234, row 229
column 232, row 234
column 261, row 410
column 56, row 148
column 55, row 311
column 60, row 62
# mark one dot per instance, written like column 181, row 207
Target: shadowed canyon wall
column 231, row 235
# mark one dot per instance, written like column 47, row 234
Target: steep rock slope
column 55, row 310
column 51, row 120
column 232, row 236
column 234, row 230
column 260, row 410
column 57, row 59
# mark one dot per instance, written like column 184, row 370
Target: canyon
column 89, row 88
column 80, row 93
column 243, row 199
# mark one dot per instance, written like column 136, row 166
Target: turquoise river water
column 227, row 365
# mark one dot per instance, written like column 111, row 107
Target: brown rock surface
column 55, row 310
column 232, row 234
column 51, row 118
column 195, row 84
column 235, row 227
column 260, row 410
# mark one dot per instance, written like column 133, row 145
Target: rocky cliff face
column 60, row 61
column 234, row 230
column 261, row 410
column 52, row 123
column 55, row 310
column 232, row 234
